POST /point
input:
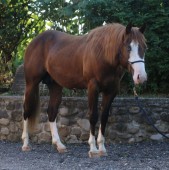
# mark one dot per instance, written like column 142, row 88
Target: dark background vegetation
column 21, row 20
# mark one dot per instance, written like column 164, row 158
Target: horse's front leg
column 55, row 92
column 93, row 92
column 106, row 103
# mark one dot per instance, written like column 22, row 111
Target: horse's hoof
column 26, row 148
column 102, row 153
column 94, row 154
column 62, row 150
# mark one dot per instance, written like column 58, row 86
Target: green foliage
column 18, row 23
column 75, row 92
column 23, row 19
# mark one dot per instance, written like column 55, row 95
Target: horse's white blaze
column 139, row 75
column 92, row 143
column 25, row 136
column 55, row 135
column 101, row 141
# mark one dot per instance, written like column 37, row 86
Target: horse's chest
column 109, row 83
column 109, row 78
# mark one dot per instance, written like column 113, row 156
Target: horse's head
column 133, row 53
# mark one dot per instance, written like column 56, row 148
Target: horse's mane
column 107, row 40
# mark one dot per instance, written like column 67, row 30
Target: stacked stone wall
column 125, row 123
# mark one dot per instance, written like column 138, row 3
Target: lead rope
column 135, row 92
column 144, row 113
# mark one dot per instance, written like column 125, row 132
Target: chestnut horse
column 96, row 62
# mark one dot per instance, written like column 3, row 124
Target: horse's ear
column 128, row 28
column 142, row 29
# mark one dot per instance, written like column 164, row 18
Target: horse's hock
column 125, row 122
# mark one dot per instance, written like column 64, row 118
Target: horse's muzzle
column 139, row 78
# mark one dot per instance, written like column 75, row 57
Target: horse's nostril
column 138, row 77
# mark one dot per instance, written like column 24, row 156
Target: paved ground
column 140, row 156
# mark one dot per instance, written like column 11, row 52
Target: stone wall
column 125, row 122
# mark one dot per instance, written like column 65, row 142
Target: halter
column 133, row 62
column 138, row 61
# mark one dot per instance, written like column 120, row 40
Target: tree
column 18, row 23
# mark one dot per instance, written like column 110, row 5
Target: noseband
column 133, row 62
column 138, row 61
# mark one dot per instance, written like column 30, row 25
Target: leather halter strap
column 138, row 61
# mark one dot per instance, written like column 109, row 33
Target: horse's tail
column 31, row 106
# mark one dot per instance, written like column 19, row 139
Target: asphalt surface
column 139, row 156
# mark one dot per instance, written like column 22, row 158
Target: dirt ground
column 138, row 156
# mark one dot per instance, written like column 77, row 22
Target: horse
column 95, row 61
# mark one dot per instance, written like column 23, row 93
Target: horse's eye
column 129, row 48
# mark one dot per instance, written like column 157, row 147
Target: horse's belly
column 72, row 83
column 69, row 81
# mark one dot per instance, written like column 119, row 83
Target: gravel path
column 147, row 155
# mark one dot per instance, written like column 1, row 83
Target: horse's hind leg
column 25, row 137
column 31, row 105
column 55, row 92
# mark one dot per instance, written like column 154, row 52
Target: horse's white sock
column 55, row 136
